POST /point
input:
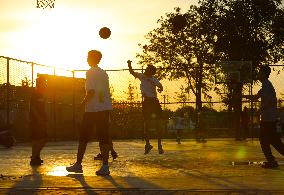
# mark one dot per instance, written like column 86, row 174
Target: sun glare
column 61, row 38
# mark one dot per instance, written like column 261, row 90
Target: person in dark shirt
column 38, row 121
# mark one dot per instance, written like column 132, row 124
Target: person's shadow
column 32, row 181
column 133, row 182
column 80, row 177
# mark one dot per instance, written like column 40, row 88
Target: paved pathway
column 189, row 167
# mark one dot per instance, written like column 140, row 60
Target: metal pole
column 73, row 105
column 32, row 74
column 251, row 112
column 8, row 92
column 54, row 104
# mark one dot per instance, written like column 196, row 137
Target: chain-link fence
column 66, row 90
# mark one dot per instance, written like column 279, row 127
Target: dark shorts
column 151, row 109
column 38, row 131
column 98, row 119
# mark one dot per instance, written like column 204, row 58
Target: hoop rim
column 44, row 4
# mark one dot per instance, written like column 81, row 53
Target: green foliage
column 250, row 30
column 187, row 53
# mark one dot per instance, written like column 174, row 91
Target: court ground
column 189, row 167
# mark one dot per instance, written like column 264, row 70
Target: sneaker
column 98, row 157
column 36, row 161
column 161, row 151
column 148, row 148
column 76, row 168
column 270, row 165
column 114, row 155
column 103, row 171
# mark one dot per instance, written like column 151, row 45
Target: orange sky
column 62, row 36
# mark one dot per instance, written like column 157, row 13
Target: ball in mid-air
column 178, row 22
column 104, row 32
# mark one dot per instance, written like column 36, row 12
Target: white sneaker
column 77, row 168
column 104, row 170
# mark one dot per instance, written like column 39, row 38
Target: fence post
column 32, row 74
column 8, row 92
column 73, row 105
column 54, row 104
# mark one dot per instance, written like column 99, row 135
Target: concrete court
column 186, row 168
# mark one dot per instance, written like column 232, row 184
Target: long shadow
column 32, row 182
column 81, row 178
column 209, row 178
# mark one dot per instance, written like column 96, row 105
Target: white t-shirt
column 148, row 85
column 179, row 123
column 97, row 80
column 268, row 110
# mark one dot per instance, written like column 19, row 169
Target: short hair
column 152, row 68
column 40, row 80
column 95, row 54
column 266, row 70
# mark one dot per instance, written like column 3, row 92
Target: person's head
column 264, row 72
column 41, row 84
column 150, row 70
column 245, row 108
column 94, row 57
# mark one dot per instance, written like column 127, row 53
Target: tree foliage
column 184, row 54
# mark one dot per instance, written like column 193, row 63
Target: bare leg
column 81, row 151
column 105, row 148
column 37, row 146
column 146, row 135
column 159, row 132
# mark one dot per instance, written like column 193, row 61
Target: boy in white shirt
column 151, row 107
column 98, row 105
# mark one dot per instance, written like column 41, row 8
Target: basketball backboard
column 233, row 72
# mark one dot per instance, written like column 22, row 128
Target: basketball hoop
column 233, row 72
column 45, row 4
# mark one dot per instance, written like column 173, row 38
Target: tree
column 186, row 54
column 131, row 93
column 248, row 30
column 182, row 96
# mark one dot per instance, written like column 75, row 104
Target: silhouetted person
column 179, row 127
column 282, row 120
column 268, row 113
column 6, row 138
column 38, row 120
column 244, row 123
column 151, row 107
column 98, row 105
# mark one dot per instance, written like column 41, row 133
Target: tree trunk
column 198, row 103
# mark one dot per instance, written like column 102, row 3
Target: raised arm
column 130, row 68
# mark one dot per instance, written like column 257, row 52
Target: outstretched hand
column 129, row 62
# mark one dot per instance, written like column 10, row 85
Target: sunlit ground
column 217, row 164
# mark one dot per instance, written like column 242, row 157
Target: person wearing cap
column 97, row 103
column 268, row 113
column 38, row 120
column 151, row 107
